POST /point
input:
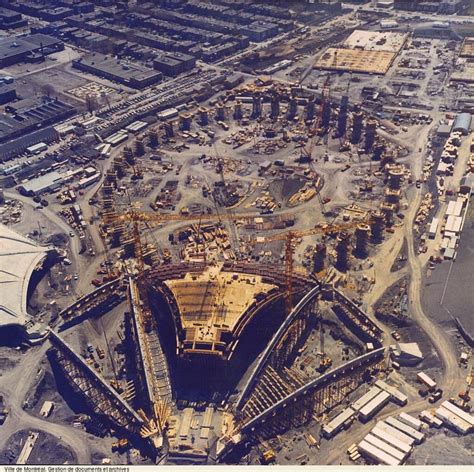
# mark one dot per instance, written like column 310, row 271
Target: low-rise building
column 127, row 73
column 174, row 63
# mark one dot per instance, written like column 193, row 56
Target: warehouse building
column 259, row 30
column 7, row 93
column 33, row 117
column 174, row 63
column 45, row 183
column 127, row 73
column 11, row 19
column 430, row 6
column 34, row 47
column 462, row 123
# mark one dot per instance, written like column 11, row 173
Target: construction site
column 250, row 274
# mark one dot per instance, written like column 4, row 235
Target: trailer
column 428, row 381
column 390, row 439
column 458, row 412
column 364, row 399
column 433, row 228
column 404, row 428
column 117, row 138
column 338, row 423
column 376, row 454
column 374, row 406
column 410, row 420
column 453, row 420
column 397, row 396
column 37, row 148
column 375, row 441
column 106, row 150
column 431, row 419
column 396, row 433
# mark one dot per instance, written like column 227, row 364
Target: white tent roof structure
column 19, row 256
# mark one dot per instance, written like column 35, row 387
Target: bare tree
column 48, row 90
column 91, row 103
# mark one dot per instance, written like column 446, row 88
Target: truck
column 96, row 282
column 120, row 445
column 268, row 456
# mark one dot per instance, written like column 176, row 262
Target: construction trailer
column 428, row 381
column 396, row 433
column 431, row 419
column 374, row 406
column 338, row 423
column 453, row 420
column 392, row 440
column 397, row 396
column 457, row 411
column 404, row 428
column 377, row 455
column 366, row 398
column 410, row 420
column 382, row 445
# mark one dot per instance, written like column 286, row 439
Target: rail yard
column 236, row 232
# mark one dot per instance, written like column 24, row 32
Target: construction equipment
column 268, row 456
column 290, row 238
column 326, row 361
column 464, row 396
column 120, row 445
column 317, row 128
column 219, row 165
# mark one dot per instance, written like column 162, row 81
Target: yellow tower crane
column 290, row 238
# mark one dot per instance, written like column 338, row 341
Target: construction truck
column 325, row 363
column 465, row 394
column 268, row 456
column 120, row 446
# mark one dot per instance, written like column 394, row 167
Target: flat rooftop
column 13, row 45
column 375, row 41
column 355, row 60
column 119, row 68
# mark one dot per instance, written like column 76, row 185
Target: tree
column 91, row 103
column 48, row 90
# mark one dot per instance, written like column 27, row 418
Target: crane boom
column 134, row 216
column 289, row 237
